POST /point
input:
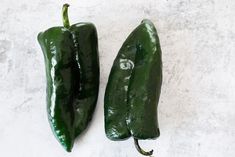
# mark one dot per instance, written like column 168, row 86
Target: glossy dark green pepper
column 134, row 87
column 72, row 71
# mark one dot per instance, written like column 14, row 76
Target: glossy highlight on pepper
column 72, row 72
column 134, row 86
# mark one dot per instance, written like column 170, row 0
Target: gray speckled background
column 197, row 105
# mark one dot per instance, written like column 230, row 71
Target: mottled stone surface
column 197, row 106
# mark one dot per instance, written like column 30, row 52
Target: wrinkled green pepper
column 72, row 71
column 134, row 87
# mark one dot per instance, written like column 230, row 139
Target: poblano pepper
column 72, row 71
column 134, row 87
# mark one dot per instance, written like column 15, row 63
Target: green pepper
column 134, row 86
column 72, row 71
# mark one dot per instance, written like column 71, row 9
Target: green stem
column 140, row 150
column 65, row 15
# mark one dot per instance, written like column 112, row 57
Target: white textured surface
column 197, row 106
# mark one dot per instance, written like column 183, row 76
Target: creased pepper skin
column 85, row 35
column 134, row 86
column 115, row 100
column 62, row 74
column 72, row 71
column 145, row 85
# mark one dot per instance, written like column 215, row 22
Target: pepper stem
column 140, row 150
column 65, row 15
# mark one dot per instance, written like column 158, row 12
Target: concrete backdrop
column 197, row 104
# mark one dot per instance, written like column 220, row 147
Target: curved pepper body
column 145, row 85
column 72, row 85
column 115, row 100
column 61, row 71
column 134, row 85
column 85, row 35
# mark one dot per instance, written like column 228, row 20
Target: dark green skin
column 145, row 86
column 88, row 57
column 72, row 71
column 134, row 86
